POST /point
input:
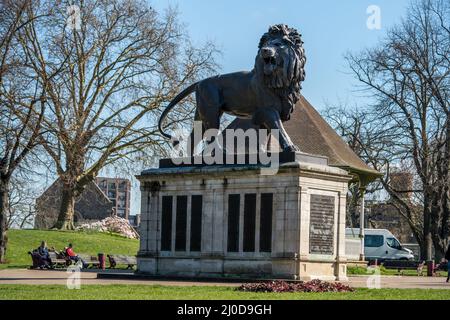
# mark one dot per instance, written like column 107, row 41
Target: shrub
column 283, row 286
column 112, row 224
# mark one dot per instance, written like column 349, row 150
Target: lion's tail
column 183, row 94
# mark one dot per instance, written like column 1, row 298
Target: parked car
column 381, row 244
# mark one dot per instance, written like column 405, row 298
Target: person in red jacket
column 72, row 255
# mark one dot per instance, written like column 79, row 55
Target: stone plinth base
column 235, row 221
column 243, row 159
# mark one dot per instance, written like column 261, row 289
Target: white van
column 380, row 244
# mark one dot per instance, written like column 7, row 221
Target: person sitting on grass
column 44, row 257
column 73, row 256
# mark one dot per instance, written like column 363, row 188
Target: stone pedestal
column 234, row 221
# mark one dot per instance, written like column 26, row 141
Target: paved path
column 401, row 282
column 25, row 276
column 35, row 277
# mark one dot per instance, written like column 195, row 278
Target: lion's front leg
column 270, row 119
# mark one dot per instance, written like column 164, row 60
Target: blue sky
column 329, row 28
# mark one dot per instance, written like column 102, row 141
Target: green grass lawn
column 389, row 272
column 22, row 241
column 158, row 292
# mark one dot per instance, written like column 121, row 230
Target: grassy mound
column 158, row 292
column 22, row 241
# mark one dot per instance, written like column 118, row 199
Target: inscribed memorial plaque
column 321, row 228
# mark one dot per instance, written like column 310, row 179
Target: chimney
column 402, row 182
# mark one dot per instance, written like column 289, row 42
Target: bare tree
column 378, row 145
column 350, row 124
column 22, row 196
column 22, row 103
column 408, row 75
column 438, row 77
column 116, row 66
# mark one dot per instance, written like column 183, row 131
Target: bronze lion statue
column 267, row 94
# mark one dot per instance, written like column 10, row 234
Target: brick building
column 118, row 191
column 384, row 215
column 92, row 205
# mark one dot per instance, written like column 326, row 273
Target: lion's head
column 281, row 63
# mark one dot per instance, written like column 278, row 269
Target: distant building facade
column 118, row 191
column 402, row 182
column 92, row 205
column 135, row 220
column 384, row 215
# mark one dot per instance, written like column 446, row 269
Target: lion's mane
column 286, row 81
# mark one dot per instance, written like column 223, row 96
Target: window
column 373, row 241
column 180, row 224
column 249, row 222
column 233, row 222
column 265, row 229
column 196, row 222
column 166, row 224
column 122, row 185
column 393, row 243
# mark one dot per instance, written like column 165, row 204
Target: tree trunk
column 439, row 223
column 427, row 251
column 4, row 187
column 352, row 206
column 441, row 203
column 67, row 209
column 439, row 251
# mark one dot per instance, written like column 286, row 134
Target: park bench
column 58, row 260
column 89, row 261
column 402, row 265
column 116, row 259
column 441, row 266
column 35, row 259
